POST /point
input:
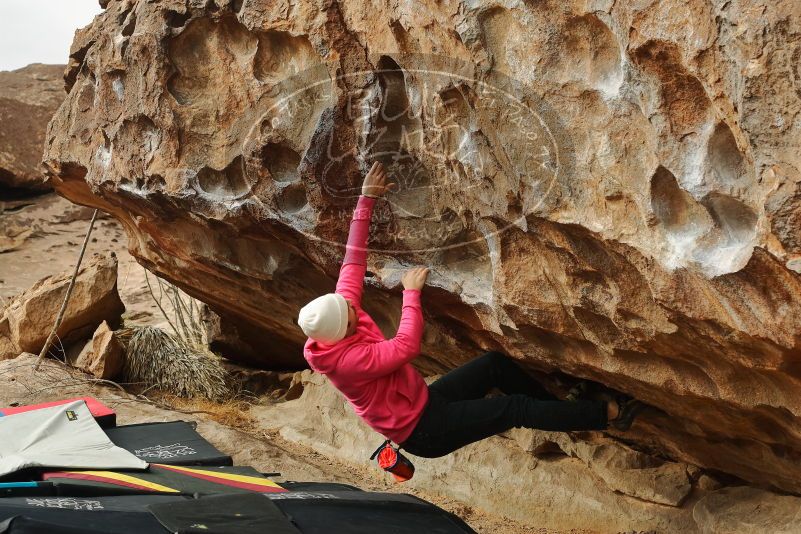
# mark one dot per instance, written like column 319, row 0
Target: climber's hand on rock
column 375, row 183
column 414, row 278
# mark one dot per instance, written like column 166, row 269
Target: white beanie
column 325, row 319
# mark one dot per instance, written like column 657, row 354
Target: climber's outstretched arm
column 354, row 266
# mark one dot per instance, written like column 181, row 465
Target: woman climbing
column 375, row 374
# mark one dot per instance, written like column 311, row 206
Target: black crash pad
column 172, row 443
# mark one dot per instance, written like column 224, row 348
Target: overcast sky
column 40, row 31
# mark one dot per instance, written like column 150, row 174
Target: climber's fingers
column 376, row 174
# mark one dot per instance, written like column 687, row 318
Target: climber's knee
column 495, row 357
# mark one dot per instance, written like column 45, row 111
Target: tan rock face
column 28, row 99
column 103, row 356
column 621, row 469
column 8, row 349
column 744, row 509
column 30, row 316
column 609, row 190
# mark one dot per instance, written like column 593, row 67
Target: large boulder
column 30, row 316
column 606, row 190
column 28, row 98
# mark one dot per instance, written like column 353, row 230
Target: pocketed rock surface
column 604, row 189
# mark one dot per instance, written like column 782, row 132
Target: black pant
column 458, row 414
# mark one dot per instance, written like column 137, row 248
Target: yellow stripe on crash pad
column 126, row 478
column 266, row 482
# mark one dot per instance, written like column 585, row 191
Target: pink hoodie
column 373, row 372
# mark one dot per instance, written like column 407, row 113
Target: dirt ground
column 42, row 236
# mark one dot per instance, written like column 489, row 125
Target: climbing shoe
column 628, row 409
column 577, row 392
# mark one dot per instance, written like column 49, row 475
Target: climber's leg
column 477, row 377
column 449, row 425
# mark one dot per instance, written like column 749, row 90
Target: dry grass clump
column 180, row 363
column 157, row 359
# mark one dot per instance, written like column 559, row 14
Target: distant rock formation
column 605, row 190
column 28, row 98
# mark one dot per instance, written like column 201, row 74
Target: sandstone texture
column 28, row 318
column 103, row 355
column 604, row 190
column 743, row 509
column 28, row 99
